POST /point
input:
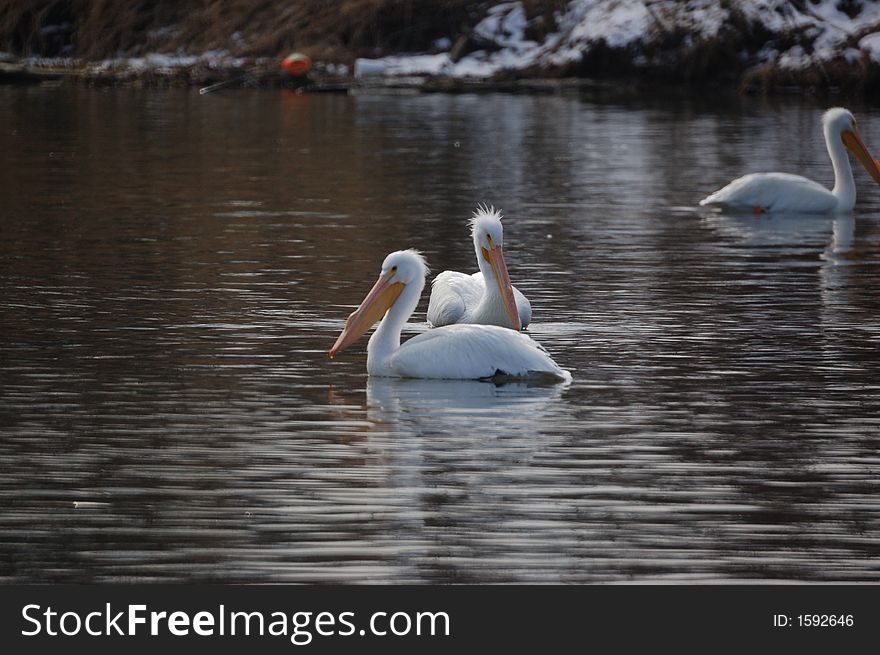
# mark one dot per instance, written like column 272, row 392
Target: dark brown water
column 174, row 267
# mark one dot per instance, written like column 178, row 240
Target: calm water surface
column 174, row 267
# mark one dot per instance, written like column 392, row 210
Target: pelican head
column 400, row 269
column 488, row 242
column 839, row 123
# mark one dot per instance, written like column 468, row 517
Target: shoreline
column 329, row 78
column 723, row 47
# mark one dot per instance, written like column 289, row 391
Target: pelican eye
column 393, row 270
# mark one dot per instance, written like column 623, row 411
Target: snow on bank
column 163, row 63
column 815, row 31
column 159, row 63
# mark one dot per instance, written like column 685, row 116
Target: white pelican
column 460, row 352
column 486, row 297
column 765, row 192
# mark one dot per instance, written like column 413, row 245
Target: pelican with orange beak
column 455, row 352
column 486, row 297
column 781, row 192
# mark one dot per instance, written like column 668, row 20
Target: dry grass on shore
column 326, row 29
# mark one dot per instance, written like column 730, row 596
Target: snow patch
column 165, row 63
column 871, row 45
column 637, row 24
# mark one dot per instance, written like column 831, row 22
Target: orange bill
column 853, row 141
column 495, row 257
column 380, row 299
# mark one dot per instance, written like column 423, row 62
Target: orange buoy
column 296, row 64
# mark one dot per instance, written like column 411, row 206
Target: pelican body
column 458, row 352
column 782, row 192
column 486, row 297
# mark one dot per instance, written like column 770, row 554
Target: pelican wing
column 773, row 192
column 469, row 352
column 453, row 297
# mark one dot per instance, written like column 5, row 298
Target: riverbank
column 760, row 46
column 231, row 74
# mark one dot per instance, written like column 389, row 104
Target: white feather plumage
column 461, row 298
column 460, row 352
column 783, row 192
